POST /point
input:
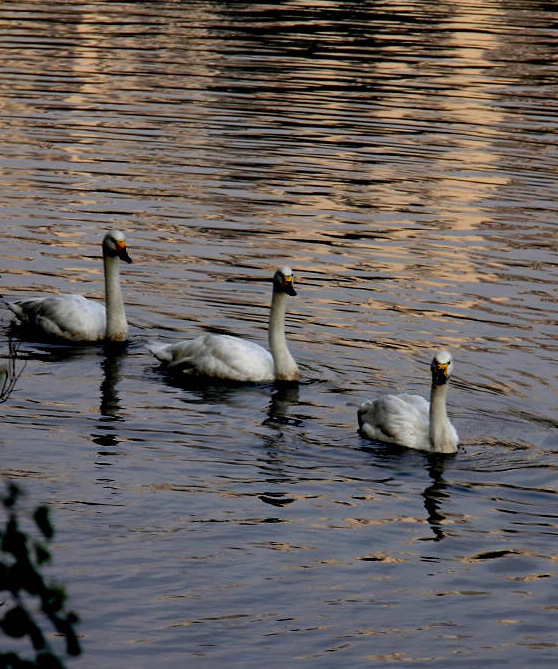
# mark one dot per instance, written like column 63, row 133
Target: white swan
column 226, row 357
column 74, row 317
column 409, row 420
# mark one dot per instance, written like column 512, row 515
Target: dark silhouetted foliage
column 25, row 594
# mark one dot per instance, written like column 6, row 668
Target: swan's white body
column 218, row 356
column 411, row 421
column 70, row 317
column 76, row 318
column 232, row 358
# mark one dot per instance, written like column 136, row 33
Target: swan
column 411, row 421
column 76, row 318
column 222, row 356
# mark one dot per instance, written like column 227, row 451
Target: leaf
column 16, row 622
column 42, row 555
column 42, row 519
column 55, row 599
column 48, row 661
column 11, row 498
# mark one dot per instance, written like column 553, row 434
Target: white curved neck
column 285, row 367
column 440, row 427
column 117, row 327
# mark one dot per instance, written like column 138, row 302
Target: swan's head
column 441, row 367
column 283, row 281
column 114, row 245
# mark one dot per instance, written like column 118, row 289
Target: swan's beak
column 122, row 252
column 439, row 373
column 288, row 286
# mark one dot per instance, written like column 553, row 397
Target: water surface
column 401, row 157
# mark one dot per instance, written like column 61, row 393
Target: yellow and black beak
column 122, row 252
column 440, row 373
column 288, row 286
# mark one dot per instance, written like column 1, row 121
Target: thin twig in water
column 9, row 374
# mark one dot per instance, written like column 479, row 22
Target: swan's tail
column 361, row 414
column 12, row 306
column 159, row 350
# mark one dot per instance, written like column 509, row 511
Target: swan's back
column 397, row 419
column 70, row 317
column 217, row 356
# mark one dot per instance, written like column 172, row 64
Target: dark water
column 402, row 158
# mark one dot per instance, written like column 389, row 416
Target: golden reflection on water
column 365, row 159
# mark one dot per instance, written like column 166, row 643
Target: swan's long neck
column 285, row 367
column 440, row 427
column 117, row 327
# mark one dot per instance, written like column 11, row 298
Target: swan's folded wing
column 163, row 352
column 71, row 317
column 24, row 309
column 398, row 419
column 218, row 356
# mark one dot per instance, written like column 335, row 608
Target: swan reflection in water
column 435, row 494
column 110, row 405
column 274, row 466
column 283, row 397
column 111, row 363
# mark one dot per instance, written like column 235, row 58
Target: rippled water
column 402, row 158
